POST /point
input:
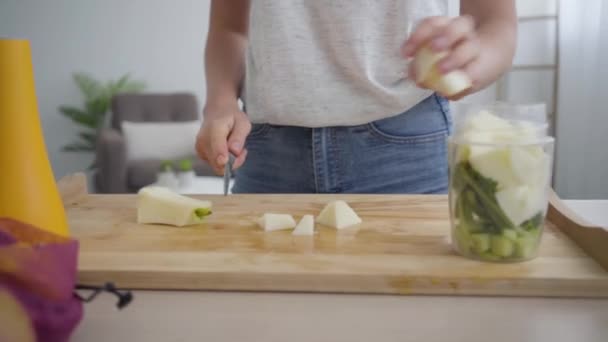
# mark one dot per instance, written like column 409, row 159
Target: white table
column 224, row 316
column 202, row 185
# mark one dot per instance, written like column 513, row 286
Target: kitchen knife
column 228, row 173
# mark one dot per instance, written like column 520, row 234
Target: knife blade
column 228, row 173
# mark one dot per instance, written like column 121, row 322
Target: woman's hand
column 456, row 37
column 225, row 126
column 224, row 130
column 481, row 42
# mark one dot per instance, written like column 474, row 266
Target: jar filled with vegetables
column 500, row 174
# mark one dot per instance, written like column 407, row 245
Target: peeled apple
column 272, row 222
column 522, row 202
column 306, row 226
column 484, row 120
column 494, row 163
column 485, row 127
column 162, row 206
column 28, row 192
column 494, row 148
column 530, row 165
column 427, row 74
column 338, row 214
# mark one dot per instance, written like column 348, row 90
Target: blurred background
column 82, row 49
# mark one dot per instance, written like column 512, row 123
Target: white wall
column 158, row 41
column 582, row 121
column 161, row 42
column 532, row 76
column 567, row 47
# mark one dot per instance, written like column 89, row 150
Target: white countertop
column 225, row 316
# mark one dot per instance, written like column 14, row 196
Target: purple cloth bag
column 38, row 272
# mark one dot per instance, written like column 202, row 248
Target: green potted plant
column 166, row 175
column 186, row 173
column 92, row 115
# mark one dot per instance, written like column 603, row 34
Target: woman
column 329, row 104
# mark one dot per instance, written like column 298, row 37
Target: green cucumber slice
column 510, row 234
column 525, row 247
column 501, row 246
column 480, row 243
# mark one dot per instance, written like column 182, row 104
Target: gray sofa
column 115, row 174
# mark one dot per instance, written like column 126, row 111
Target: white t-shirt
column 318, row 63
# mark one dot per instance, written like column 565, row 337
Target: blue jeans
column 406, row 154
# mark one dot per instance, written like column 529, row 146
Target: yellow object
column 28, row 192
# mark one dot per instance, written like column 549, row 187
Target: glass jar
column 500, row 177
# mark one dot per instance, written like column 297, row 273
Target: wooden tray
column 401, row 248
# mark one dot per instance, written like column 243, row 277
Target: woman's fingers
column 457, row 30
column 461, row 55
column 426, row 30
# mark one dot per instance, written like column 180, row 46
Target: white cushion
column 160, row 140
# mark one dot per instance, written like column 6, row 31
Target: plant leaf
column 78, row 116
column 125, row 85
column 185, row 165
column 88, row 137
column 90, row 87
column 78, row 147
column 132, row 87
column 98, row 107
column 121, row 82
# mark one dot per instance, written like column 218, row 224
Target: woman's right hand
column 224, row 130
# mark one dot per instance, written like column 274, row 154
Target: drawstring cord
column 124, row 298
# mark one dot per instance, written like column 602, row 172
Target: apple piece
column 339, row 215
column 453, row 83
column 530, row 165
column 450, row 84
column 494, row 163
column 427, row 74
column 529, row 132
column 424, row 62
column 271, row 222
column 477, row 139
column 486, row 121
column 522, row 202
column 163, row 206
column 480, row 129
column 306, row 226
column 511, row 164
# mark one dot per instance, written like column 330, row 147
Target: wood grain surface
column 592, row 239
column 402, row 247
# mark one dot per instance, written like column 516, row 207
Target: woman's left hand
column 457, row 37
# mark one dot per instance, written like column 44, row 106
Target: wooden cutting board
column 402, row 247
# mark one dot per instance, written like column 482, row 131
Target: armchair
column 115, row 173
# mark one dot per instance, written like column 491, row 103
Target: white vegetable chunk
column 521, row 203
column 494, row 163
column 452, row 83
column 499, row 150
column 306, row 226
column 427, row 73
column 530, row 165
column 163, row 206
column 271, row 222
column 338, row 214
